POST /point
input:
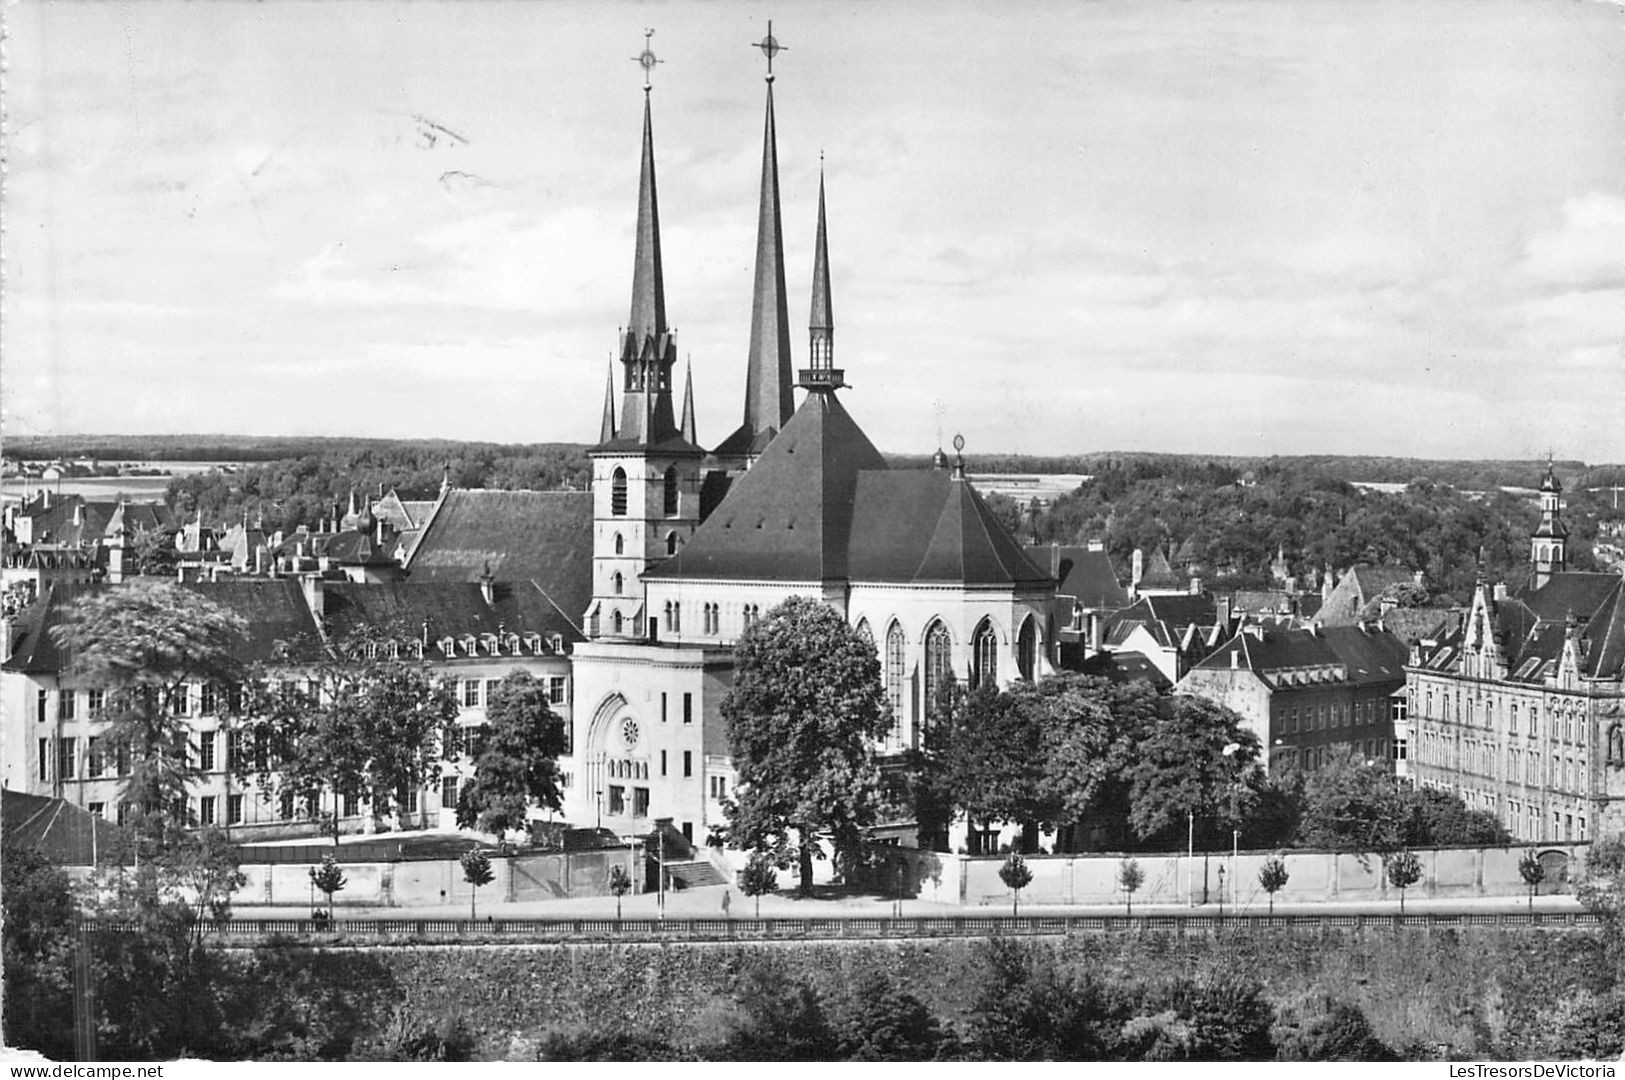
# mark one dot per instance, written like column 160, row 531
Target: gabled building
column 1309, row 693
column 1520, row 709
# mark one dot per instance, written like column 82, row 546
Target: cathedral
column 691, row 545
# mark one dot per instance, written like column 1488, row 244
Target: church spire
column 606, row 429
column 688, row 406
column 648, row 318
column 768, row 401
column 648, row 348
column 821, row 372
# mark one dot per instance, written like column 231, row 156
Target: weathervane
column 770, row 48
column 647, row 59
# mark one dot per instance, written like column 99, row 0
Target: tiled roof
column 402, row 609
column 820, row 504
column 1157, row 574
column 1122, row 667
column 63, row 833
column 544, row 537
column 277, row 620
column 1531, row 626
column 1085, row 575
column 1342, row 653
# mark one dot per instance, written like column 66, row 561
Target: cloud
column 1587, row 250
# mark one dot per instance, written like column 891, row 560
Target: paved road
column 706, row 902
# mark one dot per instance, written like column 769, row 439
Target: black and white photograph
column 729, row 531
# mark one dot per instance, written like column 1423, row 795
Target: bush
column 1322, row 1028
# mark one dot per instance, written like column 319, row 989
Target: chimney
column 1196, row 586
column 1235, row 659
column 1418, row 577
column 1097, row 545
column 79, row 513
column 1097, row 628
column 1136, row 570
column 312, row 586
column 1500, row 591
column 45, row 499
column 488, row 584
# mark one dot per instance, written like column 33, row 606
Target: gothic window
column 895, row 647
column 620, row 544
column 1027, row 649
column 617, row 492
column 984, row 656
column 616, row 622
column 670, row 500
column 671, row 543
column 862, row 629
column 939, row 664
column 619, row 582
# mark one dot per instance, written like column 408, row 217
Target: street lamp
column 598, row 801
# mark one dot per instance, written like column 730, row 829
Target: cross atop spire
column 770, row 48
column 647, row 59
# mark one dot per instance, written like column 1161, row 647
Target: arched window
column 895, row 648
column 670, row 500
column 1027, row 649
column 619, row 582
column 617, row 492
column 939, row 663
column 620, row 544
column 862, row 629
column 615, row 621
column 671, row 543
column 984, row 656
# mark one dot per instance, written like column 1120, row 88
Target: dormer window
column 533, row 642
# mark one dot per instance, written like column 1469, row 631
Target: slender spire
column 606, row 429
column 768, row 400
column 688, row 405
column 821, row 372
column 648, row 318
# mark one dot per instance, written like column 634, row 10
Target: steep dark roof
column 788, row 516
column 278, row 622
column 453, row 608
column 820, row 504
column 63, row 833
column 1119, row 667
column 1158, row 574
column 1346, row 654
column 1531, row 626
column 544, row 537
column 1084, row 574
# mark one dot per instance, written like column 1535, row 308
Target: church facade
column 692, row 546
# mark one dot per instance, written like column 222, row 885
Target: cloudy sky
column 1227, row 228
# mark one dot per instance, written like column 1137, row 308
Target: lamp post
column 598, row 802
column 1235, row 851
column 1221, row 892
column 1190, row 859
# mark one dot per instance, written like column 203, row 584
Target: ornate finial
column 647, row 59
column 959, row 457
column 770, row 48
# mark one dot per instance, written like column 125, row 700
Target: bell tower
column 1548, row 546
column 646, row 468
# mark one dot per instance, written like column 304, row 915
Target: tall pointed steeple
column 688, row 406
column 648, row 347
column 768, row 375
column 821, row 372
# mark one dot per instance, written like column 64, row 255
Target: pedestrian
column 726, row 900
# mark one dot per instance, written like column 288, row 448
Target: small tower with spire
column 1548, row 546
column 646, row 468
column 821, row 374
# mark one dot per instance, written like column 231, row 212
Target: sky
column 1234, row 228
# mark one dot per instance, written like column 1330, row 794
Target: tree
column 993, row 758
column 1016, row 875
column 620, row 883
column 1532, row 872
column 1129, row 878
column 1352, row 806
column 206, row 866
column 328, row 878
column 879, row 1021
column 1273, row 877
column 1194, row 760
column 155, row 554
column 37, row 937
column 477, row 871
column 759, row 876
column 1434, row 818
column 517, row 764
column 803, row 713
column 143, row 643
column 1404, row 870
column 360, row 726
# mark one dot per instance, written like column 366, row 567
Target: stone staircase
column 693, row 873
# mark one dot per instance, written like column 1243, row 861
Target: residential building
column 1520, row 709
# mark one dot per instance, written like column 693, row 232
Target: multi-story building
column 1310, row 693
column 1520, row 709
column 470, row 634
